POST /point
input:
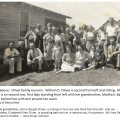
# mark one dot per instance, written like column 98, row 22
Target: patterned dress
column 58, row 49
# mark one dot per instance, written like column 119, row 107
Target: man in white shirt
column 12, row 57
column 111, row 31
column 34, row 58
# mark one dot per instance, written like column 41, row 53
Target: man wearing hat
column 12, row 57
column 34, row 58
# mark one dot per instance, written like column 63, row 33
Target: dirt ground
column 99, row 77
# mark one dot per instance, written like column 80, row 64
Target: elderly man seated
column 34, row 58
column 12, row 56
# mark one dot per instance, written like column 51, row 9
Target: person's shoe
column 103, row 68
column 114, row 66
column 84, row 69
column 118, row 69
column 59, row 71
column 55, row 70
column 19, row 72
column 73, row 70
column 39, row 71
column 11, row 74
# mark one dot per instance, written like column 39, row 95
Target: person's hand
column 9, row 56
column 26, row 47
column 17, row 55
column 34, row 59
column 114, row 53
column 108, row 59
column 86, row 60
column 45, row 50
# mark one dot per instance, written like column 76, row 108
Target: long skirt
column 67, row 67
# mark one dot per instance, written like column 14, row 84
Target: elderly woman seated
column 68, row 60
column 82, row 59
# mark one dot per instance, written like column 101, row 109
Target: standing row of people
column 66, row 50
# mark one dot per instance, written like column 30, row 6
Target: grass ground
column 99, row 77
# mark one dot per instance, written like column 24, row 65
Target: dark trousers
column 113, row 61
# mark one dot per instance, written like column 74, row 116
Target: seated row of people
column 18, row 58
column 95, row 59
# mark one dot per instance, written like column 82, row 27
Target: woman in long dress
column 68, row 61
column 58, row 50
column 48, row 41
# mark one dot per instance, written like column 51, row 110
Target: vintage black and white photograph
column 59, row 43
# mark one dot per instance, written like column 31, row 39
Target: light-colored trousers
column 40, row 61
column 11, row 62
column 118, row 60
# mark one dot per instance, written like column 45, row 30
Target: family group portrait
column 59, row 44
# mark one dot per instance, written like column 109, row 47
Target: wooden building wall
column 11, row 22
column 37, row 16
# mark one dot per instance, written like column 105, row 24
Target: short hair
column 73, row 26
column 58, row 30
column 11, row 42
column 32, row 26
